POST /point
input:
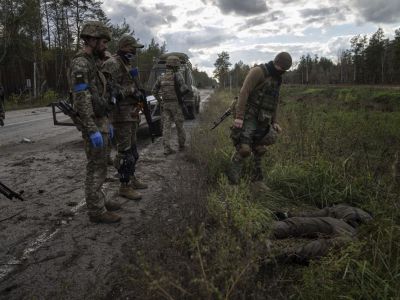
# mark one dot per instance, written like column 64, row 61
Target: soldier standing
column 2, row 111
column 121, row 75
column 255, row 116
column 90, row 102
column 165, row 90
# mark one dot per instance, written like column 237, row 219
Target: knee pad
column 260, row 150
column 244, row 150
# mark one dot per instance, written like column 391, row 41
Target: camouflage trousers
column 250, row 139
column 172, row 112
column 329, row 233
column 96, row 172
column 125, row 137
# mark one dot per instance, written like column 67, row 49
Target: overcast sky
column 254, row 30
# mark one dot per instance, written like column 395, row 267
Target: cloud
column 252, row 22
column 195, row 12
column 145, row 21
column 240, row 7
column 206, row 37
column 378, row 11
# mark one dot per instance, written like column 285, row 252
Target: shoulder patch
column 80, row 87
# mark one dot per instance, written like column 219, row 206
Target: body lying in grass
column 330, row 228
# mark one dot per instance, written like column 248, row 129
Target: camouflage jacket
column 255, row 85
column 165, row 86
column 117, row 74
column 89, row 93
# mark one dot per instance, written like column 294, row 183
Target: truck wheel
column 198, row 106
column 190, row 115
column 157, row 128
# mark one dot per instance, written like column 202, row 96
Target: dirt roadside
column 48, row 249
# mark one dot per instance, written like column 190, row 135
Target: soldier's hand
column 96, row 139
column 238, row 123
column 276, row 127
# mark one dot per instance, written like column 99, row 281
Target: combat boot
column 257, row 174
column 235, row 171
column 112, row 205
column 110, row 161
column 137, row 184
column 106, row 217
column 128, row 192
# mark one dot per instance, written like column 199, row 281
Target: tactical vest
column 167, row 88
column 263, row 100
column 97, row 87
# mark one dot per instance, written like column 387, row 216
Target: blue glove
column 110, row 131
column 96, row 139
column 134, row 72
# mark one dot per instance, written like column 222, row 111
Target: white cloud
column 254, row 30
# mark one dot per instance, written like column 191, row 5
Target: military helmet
column 283, row 60
column 128, row 41
column 95, row 29
column 173, row 61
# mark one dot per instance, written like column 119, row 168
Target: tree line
column 38, row 39
column 374, row 60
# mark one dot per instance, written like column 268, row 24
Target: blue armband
column 134, row 72
column 80, row 87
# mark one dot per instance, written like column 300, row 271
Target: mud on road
column 48, row 248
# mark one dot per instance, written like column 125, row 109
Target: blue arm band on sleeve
column 81, row 87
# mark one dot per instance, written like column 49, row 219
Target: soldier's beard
column 99, row 53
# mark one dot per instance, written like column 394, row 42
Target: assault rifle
column 68, row 110
column 226, row 114
column 145, row 108
column 9, row 193
column 180, row 96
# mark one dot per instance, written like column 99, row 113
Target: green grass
column 14, row 102
column 337, row 145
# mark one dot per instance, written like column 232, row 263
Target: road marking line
column 34, row 246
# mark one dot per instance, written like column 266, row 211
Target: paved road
column 34, row 124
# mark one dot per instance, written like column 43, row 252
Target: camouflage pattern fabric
column 164, row 91
column 116, row 72
column 329, row 233
column 165, row 86
column 88, row 90
column 96, row 173
column 88, row 93
column 172, row 113
column 125, row 137
column 331, row 227
column 351, row 215
column 257, row 106
column 311, row 227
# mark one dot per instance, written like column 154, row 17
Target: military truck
column 192, row 99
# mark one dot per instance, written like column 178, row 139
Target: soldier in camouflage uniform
column 2, row 111
column 331, row 227
column 121, row 75
column 91, row 104
column 255, row 114
column 165, row 92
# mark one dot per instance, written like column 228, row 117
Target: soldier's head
column 283, row 62
column 128, row 45
column 172, row 62
column 96, row 35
